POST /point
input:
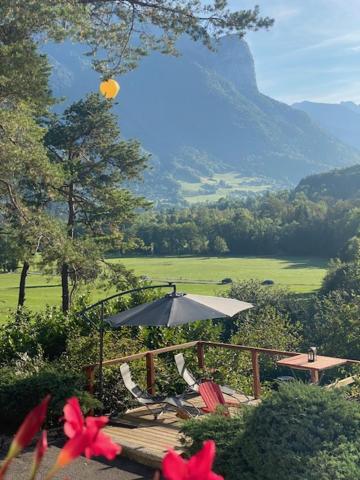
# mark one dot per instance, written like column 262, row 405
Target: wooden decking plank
column 150, row 438
column 163, row 438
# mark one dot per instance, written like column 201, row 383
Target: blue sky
column 311, row 53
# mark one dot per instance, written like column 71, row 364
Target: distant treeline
column 284, row 222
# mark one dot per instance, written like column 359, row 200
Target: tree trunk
column 66, row 300
column 22, row 285
column 65, row 288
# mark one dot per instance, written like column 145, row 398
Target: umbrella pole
column 101, row 351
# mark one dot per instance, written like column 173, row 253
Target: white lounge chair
column 185, row 409
column 194, row 383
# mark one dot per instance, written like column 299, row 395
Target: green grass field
column 223, row 185
column 301, row 275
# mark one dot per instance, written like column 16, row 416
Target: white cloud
column 341, row 40
column 311, row 52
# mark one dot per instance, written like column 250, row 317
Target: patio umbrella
column 178, row 309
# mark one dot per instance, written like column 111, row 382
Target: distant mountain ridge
column 339, row 119
column 202, row 113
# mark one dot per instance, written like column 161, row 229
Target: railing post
column 201, row 355
column 256, row 374
column 90, row 376
column 150, row 373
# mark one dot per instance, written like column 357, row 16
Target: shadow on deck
column 146, row 440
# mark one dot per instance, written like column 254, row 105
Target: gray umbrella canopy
column 178, row 309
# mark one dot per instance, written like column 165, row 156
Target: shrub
column 21, row 390
column 301, row 432
column 296, row 428
column 31, row 333
column 333, row 324
column 226, row 432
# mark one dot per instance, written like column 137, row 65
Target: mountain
column 339, row 119
column 340, row 184
column 201, row 115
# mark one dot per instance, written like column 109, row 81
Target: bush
column 227, row 433
column 301, row 432
column 44, row 332
column 333, row 325
column 21, row 390
column 342, row 276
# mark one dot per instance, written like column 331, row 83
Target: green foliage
column 219, row 245
column 226, row 432
column 343, row 276
column 96, row 206
column 22, row 387
column 291, row 431
column 301, row 432
column 351, row 251
column 272, row 299
column 108, row 28
column 33, row 333
column 332, row 323
column 285, row 222
column 340, row 184
column 9, row 254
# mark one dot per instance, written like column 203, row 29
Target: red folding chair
column 212, row 396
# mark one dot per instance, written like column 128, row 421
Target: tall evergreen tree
column 85, row 142
column 24, row 174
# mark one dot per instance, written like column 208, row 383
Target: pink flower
column 84, row 436
column 29, row 427
column 198, row 467
column 41, row 448
column 74, row 419
column 72, row 449
column 101, row 444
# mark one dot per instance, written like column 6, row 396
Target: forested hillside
column 340, row 184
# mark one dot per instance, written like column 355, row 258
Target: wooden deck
column 146, row 440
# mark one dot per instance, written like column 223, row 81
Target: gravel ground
column 81, row 469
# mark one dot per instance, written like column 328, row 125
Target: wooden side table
column 300, row 362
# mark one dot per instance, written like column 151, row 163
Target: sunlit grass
column 300, row 274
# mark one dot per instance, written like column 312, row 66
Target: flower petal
column 30, row 426
column 103, row 446
column 96, row 422
column 72, row 449
column 200, row 464
column 41, row 447
column 174, row 467
column 74, row 419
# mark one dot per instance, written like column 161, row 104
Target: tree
column 351, row 251
column 9, row 252
column 24, row 175
column 219, row 245
column 85, row 143
column 342, row 276
column 333, row 324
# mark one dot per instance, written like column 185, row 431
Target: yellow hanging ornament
column 109, row 88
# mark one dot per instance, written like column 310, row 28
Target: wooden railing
column 200, row 350
column 200, row 346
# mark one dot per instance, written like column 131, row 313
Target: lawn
column 301, row 275
column 223, row 185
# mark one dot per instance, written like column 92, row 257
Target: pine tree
column 85, row 143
